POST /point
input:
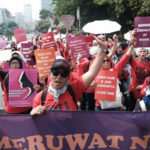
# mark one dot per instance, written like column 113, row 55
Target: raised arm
column 114, row 47
column 124, row 60
column 89, row 76
column 132, row 43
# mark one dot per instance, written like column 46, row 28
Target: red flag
column 58, row 31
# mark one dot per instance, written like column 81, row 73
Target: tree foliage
column 7, row 29
column 88, row 10
column 45, row 14
column 12, row 25
column 42, row 26
column 126, row 10
column 122, row 11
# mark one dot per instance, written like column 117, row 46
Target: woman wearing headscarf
column 14, row 63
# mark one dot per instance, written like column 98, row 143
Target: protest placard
column 106, row 85
column 78, row 45
column 142, row 24
column 48, row 40
column 20, row 35
column 21, row 91
column 68, row 21
column 44, row 60
column 89, row 41
column 25, row 51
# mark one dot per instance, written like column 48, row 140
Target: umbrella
column 127, row 36
column 101, row 26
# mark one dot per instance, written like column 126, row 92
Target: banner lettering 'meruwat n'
column 68, row 130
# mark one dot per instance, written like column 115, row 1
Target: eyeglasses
column 106, row 60
column 14, row 63
column 62, row 73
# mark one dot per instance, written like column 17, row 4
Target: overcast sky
column 17, row 6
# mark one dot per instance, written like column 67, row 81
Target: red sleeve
column 67, row 56
column 37, row 100
column 78, row 87
column 82, row 68
column 122, row 63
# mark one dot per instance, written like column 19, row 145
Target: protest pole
column 78, row 16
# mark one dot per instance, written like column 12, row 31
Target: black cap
column 61, row 63
column 18, row 59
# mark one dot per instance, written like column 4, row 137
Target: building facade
column 20, row 19
column 28, row 17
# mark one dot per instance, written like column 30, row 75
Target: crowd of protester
column 71, row 84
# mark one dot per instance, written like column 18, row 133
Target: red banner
column 48, row 40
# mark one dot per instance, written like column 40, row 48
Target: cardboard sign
column 78, row 45
column 25, row 51
column 44, row 60
column 106, row 85
column 20, row 35
column 21, row 91
column 89, row 40
column 68, row 21
column 48, row 40
column 142, row 24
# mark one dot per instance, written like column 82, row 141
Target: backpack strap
column 69, row 89
column 43, row 96
column 71, row 92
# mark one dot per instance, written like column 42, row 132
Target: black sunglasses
column 62, row 73
column 106, row 60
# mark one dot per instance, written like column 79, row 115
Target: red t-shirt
column 145, row 85
column 65, row 101
column 118, row 68
column 139, row 72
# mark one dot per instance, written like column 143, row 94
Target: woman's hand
column 101, row 42
column 36, row 87
column 93, row 85
column 39, row 110
column 139, row 87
